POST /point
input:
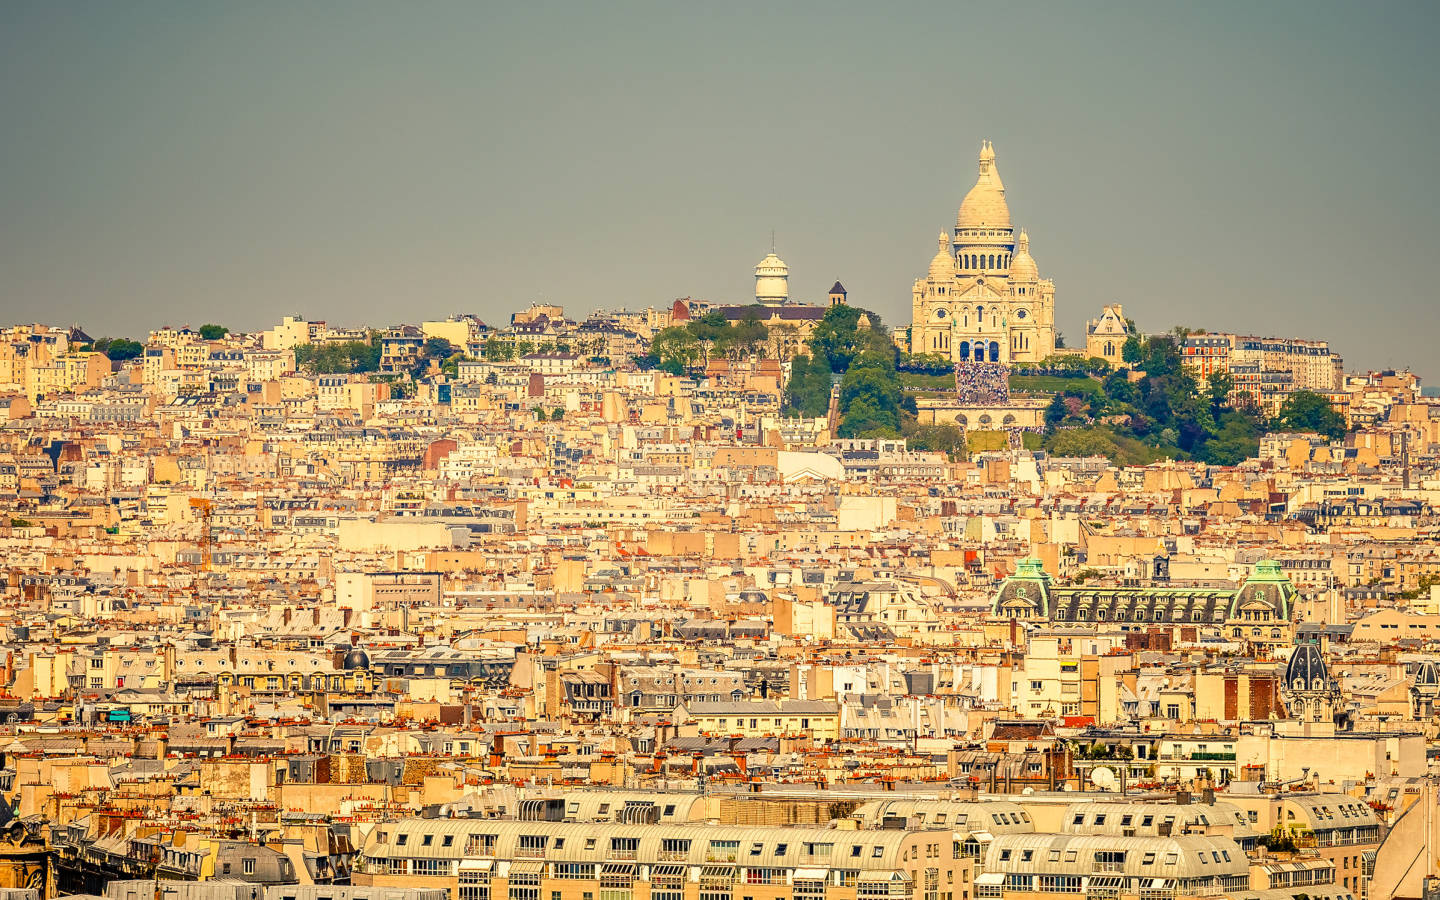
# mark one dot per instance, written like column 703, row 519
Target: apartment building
column 490, row 860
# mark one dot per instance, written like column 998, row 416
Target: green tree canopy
column 676, row 347
column 808, row 391
column 340, row 358
column 1131, row 351
column 1309, row 411
column 211, row 332
column 1082, row 442
column 118, row 348
column 870, row 397
column 838, row 339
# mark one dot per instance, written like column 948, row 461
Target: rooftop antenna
column 772, row 240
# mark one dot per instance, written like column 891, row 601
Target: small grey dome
column 356, row 659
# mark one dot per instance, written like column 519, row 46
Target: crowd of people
column 985, row 383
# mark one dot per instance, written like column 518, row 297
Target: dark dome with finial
column 1428, row 675
column 356, row 658
column 1306, row 669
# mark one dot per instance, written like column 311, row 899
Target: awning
column 527, row 867
column 1106, row 881
column 618, row 869
column 883, row 875
column 811, row 874
column 983, row 837
column 717, row 873
column 667, row 871
column 991, row 878
column 476, row 865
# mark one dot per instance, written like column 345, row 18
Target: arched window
column 979, row 316
column 964, row 349
column 994, row 351
column 991, row 259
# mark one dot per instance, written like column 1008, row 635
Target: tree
column 118, row 349
column 213, row 332
column 1236, row 441
column 870, row 397
column 451, row 366
column 339, row 358
column 949, row 439
column 557, row 414
column 1218, row 386
column 744, row 339
column 1082, row 442
column 676, row 346
column 1309, row 411
column 1130, row 352
column 838, row 339
column 1120, row 390
column 808, row 391
column 1069, row 408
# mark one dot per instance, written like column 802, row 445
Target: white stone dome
column 1022, row 264
column 771, row 266
column 772, row 284
column 985, row 206
column 943, row 265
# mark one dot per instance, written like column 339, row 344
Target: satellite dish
column 1103, row 777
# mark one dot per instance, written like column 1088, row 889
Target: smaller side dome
column 1022, row 264
column 943, row 265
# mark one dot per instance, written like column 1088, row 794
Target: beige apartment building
column 1036, row 866
column 753, row 718
column 478, row 859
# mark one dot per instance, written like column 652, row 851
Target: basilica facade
column 984, row 299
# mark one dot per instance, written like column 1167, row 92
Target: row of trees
column 496, row 350
column 682, row 347
column 340, row 357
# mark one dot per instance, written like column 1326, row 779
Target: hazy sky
column 1266, row 167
